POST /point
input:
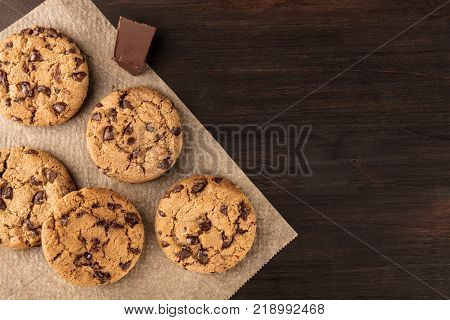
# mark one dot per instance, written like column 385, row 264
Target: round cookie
column 31, row 182
column 134, row 135
column 205, row 224
column 95, row 236
column 43, row 77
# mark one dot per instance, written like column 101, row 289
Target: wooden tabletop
column 372, row 79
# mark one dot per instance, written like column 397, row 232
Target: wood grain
column 381, row 135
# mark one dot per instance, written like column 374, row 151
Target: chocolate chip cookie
column 43, row 77
column 94, row 236
column 205, row 224
column 31, row 182
column 134, row 135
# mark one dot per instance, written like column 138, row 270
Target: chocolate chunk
column 43, row 89
column 103, row 223
column 8, row 45
column 65, row 219
column 8, row 102
column 132, row 219
column 165, row 164
column 161, row 213
column 132, row 45
column 223, row 209
column 202, row 256
column 26, row 89
column 96, row 116
column 108, row 134
column 35, row 56
column 35, row 182
column 191, row 240
column 123, row 103
column 176, row 131
column 175, row 189
column 95, row 205
column 7, row 192
column 88, row 255
column 125, row 265
column 27, row 31
column 112, row 115
column 103, row 277
column 128, row 129
column 198, row 186
column 72, row 50
column 2, row 205
column 39, row 197
column 184, row 253
column 149, row 127
column 116, row 225
column 50, row 175
column 217, row 179
column 204, row 224
column 131, row 140
column 113, row 206
column 98, row 105
column 243, row 210
column 226, row 241
column 57, row 73
column 52, row 33
column 164, row 244
column 78, row 62
column 79, row 76
column 59, row 108
column 134, row 250
column 38, row 31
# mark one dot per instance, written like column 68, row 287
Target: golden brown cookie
column 134, row 135
column 205, row 224
column 43, row 77
column 95, row 236
column 31, row 182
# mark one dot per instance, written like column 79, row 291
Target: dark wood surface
column 380, row 145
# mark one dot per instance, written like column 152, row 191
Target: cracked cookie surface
column 95, row 236
column 44, row 77
column 134, row 135
column 31, row 182
column 205, row 224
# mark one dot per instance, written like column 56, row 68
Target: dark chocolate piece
column 132, row 45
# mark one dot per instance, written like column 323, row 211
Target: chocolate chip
column 226, row 241
column 217, row 179
column 79, row 76
column 59, row 108
column 35, row 56
column 103, row 277
column 113, row 206
column 98, row 105
column 71, row 51
column 8, row 102
column 175, row 189
column 43, row 89
column 123, row 103
column 88, row 255
column 57, row 73
column 223, row 209
column 191, row 240
column 50, row 175
column 26, row 89
column 134, row 250
column 96, row 116
column 243, row 210
column 16, row 119
column 132, row 219
column 176, row 131
column 131, row 140
column 164, row 244
column 8, row 45
column 78, row 62
column 52, row 33
column 148, row 126
column 7, row 193
column 31, row 151
column 161, row 213
column 95, row 205
column 35, row 182
column 184, row 253
column 112, row 115
column 108, row 134
column 38, row 31
column 39, row 197
column 2, row 205
column 116, row 225
column 199, row 186
column 202, row 256
column 104, row 224
column 27, row 31
column 204, row 224
column 65, row 219
column 165, row 164
column 125, row 265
